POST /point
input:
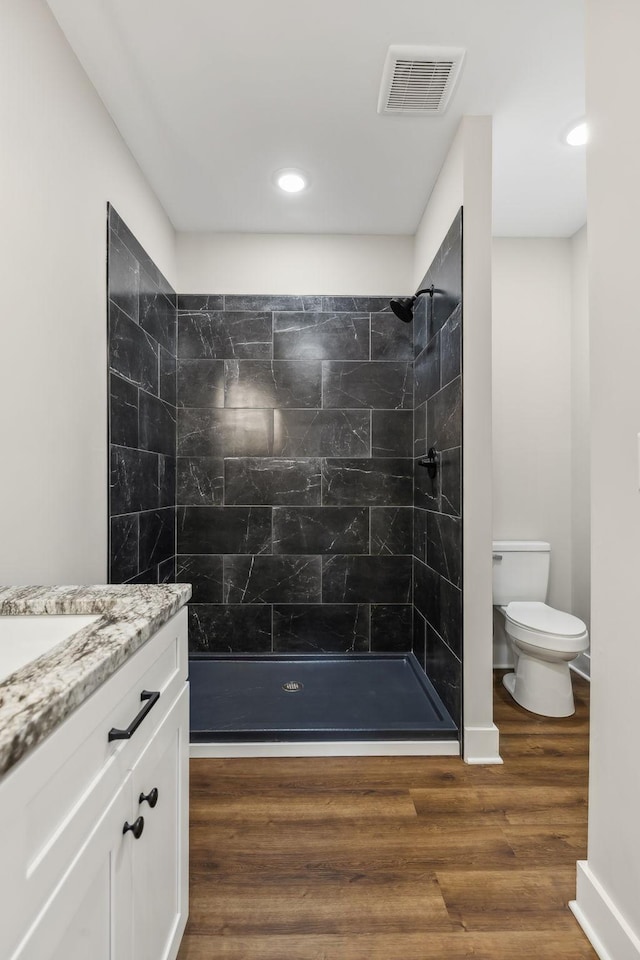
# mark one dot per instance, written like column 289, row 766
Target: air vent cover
column 419, row 80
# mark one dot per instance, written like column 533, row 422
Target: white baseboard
column 582, row 666
column 607, row 930
column 330, row 748
column 481, row 744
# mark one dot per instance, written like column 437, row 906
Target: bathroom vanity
column 94, row 773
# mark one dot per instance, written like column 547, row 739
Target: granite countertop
column 39, row 696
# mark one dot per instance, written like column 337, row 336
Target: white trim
column 609, row 933
column 482, row 744
column 330, row 748
column 582, row 666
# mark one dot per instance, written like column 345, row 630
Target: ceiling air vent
column 419, row 80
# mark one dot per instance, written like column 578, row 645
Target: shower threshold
column 314, row 697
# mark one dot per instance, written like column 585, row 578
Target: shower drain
column 293, row 686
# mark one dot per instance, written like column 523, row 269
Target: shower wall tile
column 320, row 530
column 391, row 531
column 200, row 383
column 321, row 336
column 167, row 481
column 192, row 303
column 200, row 481
column 420, row 431
column 391, row 339
column 123, row 412
column 157, row 317
column 451, row 482
column 280, row 383
column 167, row 571
column 133, row 354
column 366, row 579
column 123, row 287
column 391, row 628
column 444, row 670
column 355, row 304
column 260, row 480
column 224, row 530
column 323, row 433
column 378, row 385
column 321, row 628
column 444, row 546
column 123, row 561
column 224, row 335
column 168, row 385
column 373, row 482
column 264, row 579
column 392, row 433
column 134, row 480
column 229, row 628
column 204, row 573
column 272, row 302
column 156, row 425
column 444, row 417
column 426, row 493
column 451, row 347
column 157, row 536
column 427, row 372
column 419, row 638
column 225, row 433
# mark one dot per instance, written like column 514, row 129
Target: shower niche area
column 270, row 450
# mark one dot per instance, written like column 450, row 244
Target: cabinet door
column 89, row 913
column 160, row 858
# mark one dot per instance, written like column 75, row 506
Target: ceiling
column 214, row 96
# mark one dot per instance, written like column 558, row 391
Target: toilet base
column 541, row 686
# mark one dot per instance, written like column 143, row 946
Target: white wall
column 294, row 264
column 62, row 160
column 608, row 902
column 532, row 448
column 580, row 432
column 465, row 180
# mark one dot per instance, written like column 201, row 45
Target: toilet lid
column 538, row 616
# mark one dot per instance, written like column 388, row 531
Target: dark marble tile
column 418, row 645
column 167, row 571
column 195, row 302
column 156, row 425
column 366, row 579
column 123, row 548
column 445, row 273
column 321, row 336
column 444, row 546
column 224, row 530
column 356, row 304
column 391, row 339
column 229, row 629
column 426, row 591
column 427, row 372
column 316, row 530
column 321, row 628
column 200, row 481
column 420, row 431
column 123, row 277
column 451, row 481
column 157, row 536
column 261, row 480
column 200, row 383
column 426, row 489
column 271, row 302
column 204, row 573
column 381, row 385
column 280, row 383
column 223, row 335
column 146, row 576
column 445, row 672
column 391, row 628
column 451, row 347
column 166, row 481
column 392, row 433
column 381, row 482
column 225, row 433
column 391, row 531
column 322, row 433
column 440, row 602
column 168, row 384
column 134, row 480
column 420, row 534
column 421, row 315
column 158, row 319
column 122, row 232
column 132, row 353
column 123, row 412
column 444, row 417
column 272, row 579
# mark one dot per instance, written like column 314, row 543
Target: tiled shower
column 289, row 432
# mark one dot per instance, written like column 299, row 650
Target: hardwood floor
column 391, row 858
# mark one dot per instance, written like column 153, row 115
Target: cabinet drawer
column 57, row 804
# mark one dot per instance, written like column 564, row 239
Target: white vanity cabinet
column 93, row 831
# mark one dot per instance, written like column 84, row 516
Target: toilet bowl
column 543, row 640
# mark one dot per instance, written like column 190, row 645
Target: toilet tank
column 520, row 570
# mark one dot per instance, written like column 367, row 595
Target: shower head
column 403, row 306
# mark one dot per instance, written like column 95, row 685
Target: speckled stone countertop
column 40, row 695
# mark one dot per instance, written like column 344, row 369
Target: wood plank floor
column 391, row 858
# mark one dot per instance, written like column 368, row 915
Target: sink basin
column 25, row 638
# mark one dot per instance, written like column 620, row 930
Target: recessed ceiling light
column 291, row 181
column 578, row 135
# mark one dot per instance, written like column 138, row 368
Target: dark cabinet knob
column 151, row 797
column 136, row 827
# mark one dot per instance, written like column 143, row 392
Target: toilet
column 543, row 640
